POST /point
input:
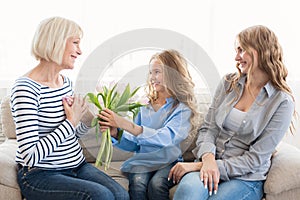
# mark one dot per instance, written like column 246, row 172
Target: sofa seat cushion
column 285, row 170
column 8, row 172
column 91, row 145
column 116, row 174
column 10, row 193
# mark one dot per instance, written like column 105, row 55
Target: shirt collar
column 169, row 100
column 268, row 88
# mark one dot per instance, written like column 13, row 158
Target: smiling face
column 72, row 51
column 243, row 58
column 156, row 76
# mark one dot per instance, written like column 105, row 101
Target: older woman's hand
column 75, row 107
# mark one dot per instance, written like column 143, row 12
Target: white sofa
column 283, row 181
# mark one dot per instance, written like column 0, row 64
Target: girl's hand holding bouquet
column 114, row 104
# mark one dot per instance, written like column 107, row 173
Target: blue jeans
column 191, row 187
column 150, row 185
column 84, row 182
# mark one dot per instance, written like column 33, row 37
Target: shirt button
column 222, row 151
column 244, row 121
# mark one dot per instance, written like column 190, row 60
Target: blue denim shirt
column 159, row 143
column 246, row 153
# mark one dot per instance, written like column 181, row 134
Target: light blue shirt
column 159, row 143
column 245, row 153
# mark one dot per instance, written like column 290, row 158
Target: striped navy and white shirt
column 45, row 137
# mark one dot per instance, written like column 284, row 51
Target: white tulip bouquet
column 120, row 104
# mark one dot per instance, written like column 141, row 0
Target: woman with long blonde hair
column 250, row 113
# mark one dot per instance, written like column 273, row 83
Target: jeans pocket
column 31, row 172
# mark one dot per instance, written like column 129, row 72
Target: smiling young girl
column 159, row 128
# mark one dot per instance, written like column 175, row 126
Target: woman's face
column 72, row 51
column 156, row 76
column 243, row 58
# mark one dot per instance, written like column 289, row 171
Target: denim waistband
column 27, row 168
column 19, row 166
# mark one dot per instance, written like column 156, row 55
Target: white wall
column 212, row 24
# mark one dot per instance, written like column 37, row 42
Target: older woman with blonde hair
column 250, row 113
column 49, row 120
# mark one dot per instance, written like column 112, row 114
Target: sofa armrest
column 8, row 172
column 8, row 125
column 285, row 170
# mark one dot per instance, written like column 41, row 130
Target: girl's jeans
column 150, row 185
column 191, row 187
column 83, row 182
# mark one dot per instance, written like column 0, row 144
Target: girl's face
column 72, row 51
column 243, row 58
column 156, row 76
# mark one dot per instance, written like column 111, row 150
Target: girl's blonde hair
column 178, row 82
column 50, row 38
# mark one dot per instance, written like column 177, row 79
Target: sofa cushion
column 203, row 102
column 116, row 174
column 2, row 137
column 90, row 147
column 285, row 170
column 8, row 172
column 8, row 125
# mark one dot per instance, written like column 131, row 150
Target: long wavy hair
column 177, row 81
column 269, row 59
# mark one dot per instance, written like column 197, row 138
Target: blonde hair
column 269, row 58
column 50, row 38
column 178, row 82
